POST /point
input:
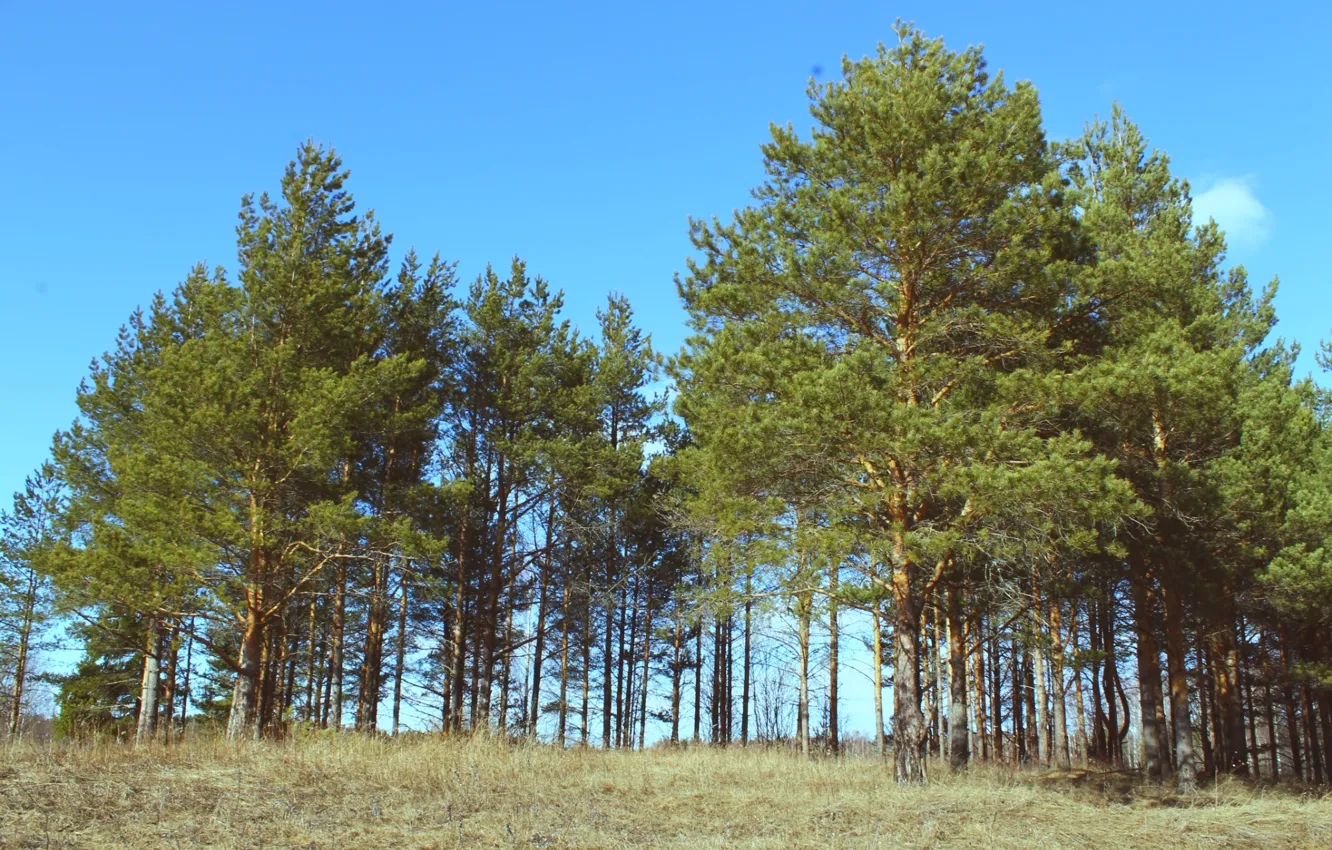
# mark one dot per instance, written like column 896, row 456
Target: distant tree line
column 998, row 399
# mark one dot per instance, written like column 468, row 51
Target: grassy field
column 432, row 793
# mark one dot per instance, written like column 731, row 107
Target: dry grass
column 431, row 793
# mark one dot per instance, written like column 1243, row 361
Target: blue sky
column 579, row 135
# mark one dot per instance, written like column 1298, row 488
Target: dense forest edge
column 998, row 399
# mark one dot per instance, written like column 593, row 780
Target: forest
column 993, row 401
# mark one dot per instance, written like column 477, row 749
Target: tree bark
column 803, row 606
column 1186, row 766
column 400, row 661
column 148, row 682
column 908, row 722
column 1149, row 675
column 1060, row 695
column 958, row 743
column 744, row 697
column 27, row 623
column 1230, row 714
column 833, row 741
column 880, row 739
column 241, row 723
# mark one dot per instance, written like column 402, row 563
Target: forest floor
column 426, row 792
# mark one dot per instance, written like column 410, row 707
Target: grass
column 423, row 792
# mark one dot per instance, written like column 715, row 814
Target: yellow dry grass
column 347, row 792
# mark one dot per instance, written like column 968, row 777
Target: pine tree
column 906, row 264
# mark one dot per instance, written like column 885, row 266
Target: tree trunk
column 339, row 638
column 880, row 739
column 27, row 622
column 400, row 660
column 1149, row 675
column 1311, row 733
column 976, row 631
column 1186, row 766
column 168, row 706
column 311, row 683
column 1229, row 719
column 908, row 722
column 539, row 651
column 698, row 677
column 608, row 647
column 647, row 668
column 744, row 698
column 1060, row 695
column 1044, row 749
column 1292, row 718
column 803, row 606
column 958, row 743
column 185, row 687
column 147, row 725
column 677, row 671
column 585, row 711
column 1110, row 673
column 241, row 723
column 562, row 724
column 1080, row 738
column 996, row 692
column 833, row 741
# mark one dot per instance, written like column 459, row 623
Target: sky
column 580, row 136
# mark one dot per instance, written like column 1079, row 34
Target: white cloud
column 1237, row 210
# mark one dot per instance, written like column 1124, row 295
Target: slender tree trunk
column 328, row 688
column 242, row 722
column 185, row 687
column 976, row 630
column 1044, row 749
column 996, row 692
column 562, row 724
column 744, row 698
column 152, row 654
column 539, row 651
column 880, row 739
column 1149, row 674
column 1292, row 718
column 608, row 647
column 1325, row 714
column 647, row 669
column 622, row 659
column 1246, row 690
column 339, row 638
column 372, row 655
column 908, row 722
column 168, row 706
column 1273, row 752
column 27, row 624
column 311, row 685
column 936, row 661
column 833, row 741
column 1058, row 682
column 958, row 743
column 1110, row 673
column 506, row 671
column 1311, row 733
column 400, row 660
column 1186, row 770
column 803, row 606
column 698, row 681
column 677, row 671
column 1230, row 717
column 1080, row 737
column 628, row 669
column 587, row 670
column 1019, row 689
